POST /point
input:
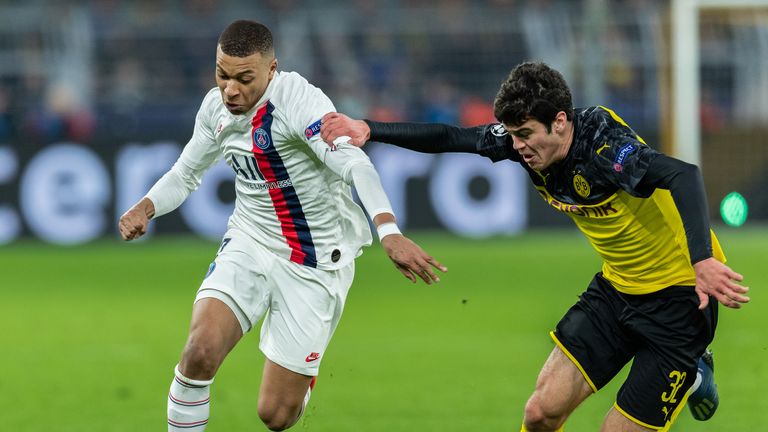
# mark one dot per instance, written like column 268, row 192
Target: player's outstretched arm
column 420, row 137
column 133, row 223
column 357, row 170
column 716, row 279
column 407, row 256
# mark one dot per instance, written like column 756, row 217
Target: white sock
column 306, row 398
column 697, row 383
column 188, row 404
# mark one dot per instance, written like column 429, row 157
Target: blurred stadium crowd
column 76, row 70
column 100, row 72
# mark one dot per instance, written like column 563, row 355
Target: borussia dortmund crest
column 581, row 186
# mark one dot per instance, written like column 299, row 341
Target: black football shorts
column 664, row 332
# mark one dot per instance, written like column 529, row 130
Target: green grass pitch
column 89, row 336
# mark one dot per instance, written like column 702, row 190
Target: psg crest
column 261, row 138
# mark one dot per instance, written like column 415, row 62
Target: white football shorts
column 303, row 305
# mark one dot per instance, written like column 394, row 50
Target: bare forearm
column 383, row 218
column 147, row 207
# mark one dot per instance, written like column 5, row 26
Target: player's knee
column 278, row 417
column 275, row 424
column 542, row 416
column 278, row 421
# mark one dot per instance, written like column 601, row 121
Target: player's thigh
column 561, row 386
column 238, row 278
column 675, row 333
column 592, row 337
column 306, row 306
column 616, row 422
column 281, row 388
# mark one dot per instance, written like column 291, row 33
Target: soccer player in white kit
column 291, row 242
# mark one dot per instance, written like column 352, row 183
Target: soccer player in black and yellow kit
column 646, row 215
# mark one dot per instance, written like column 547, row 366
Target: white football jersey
column 293, row 190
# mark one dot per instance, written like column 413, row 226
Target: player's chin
column 533, row 165
column 235, row 108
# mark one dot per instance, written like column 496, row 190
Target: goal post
column 686, row 80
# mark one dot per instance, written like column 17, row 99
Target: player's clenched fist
column 133, row 223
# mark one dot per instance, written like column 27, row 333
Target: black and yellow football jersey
column 614, row 186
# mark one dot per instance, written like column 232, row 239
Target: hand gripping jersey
column 293, row 191
column 639, row 234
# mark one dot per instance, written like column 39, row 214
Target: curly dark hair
column 243, row 38
column 533, row 90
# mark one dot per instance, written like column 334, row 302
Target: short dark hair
column 243, row 38
column 532, row 90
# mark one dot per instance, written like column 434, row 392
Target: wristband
column 386, row 229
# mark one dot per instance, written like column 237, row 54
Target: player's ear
column 559, row 124
column 272, row 68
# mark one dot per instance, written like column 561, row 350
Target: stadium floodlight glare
column 734, row 209
column 685, row 72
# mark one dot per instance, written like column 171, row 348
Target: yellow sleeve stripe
column 643, row 424
column 573, row 359
column 621, row 121
column 615, row 116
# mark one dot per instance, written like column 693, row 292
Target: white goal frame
column 686, row 82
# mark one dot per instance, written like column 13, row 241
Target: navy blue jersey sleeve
column 640, row 170
column 624, row 160
column 496, row 144
column 491, row 140
column 685, row 183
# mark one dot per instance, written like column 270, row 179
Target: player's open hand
column 411, row 259
column 133, row 223
column 716, row 279
column 336, row 125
